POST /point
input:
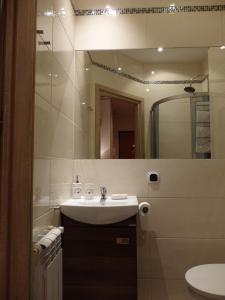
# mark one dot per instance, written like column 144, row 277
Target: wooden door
column 127, row 144
column 18, row 26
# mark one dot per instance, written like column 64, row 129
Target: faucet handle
column 103, row 191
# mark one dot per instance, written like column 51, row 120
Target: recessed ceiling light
column 119, row 69
column 160, row 49
column 83, row 103
column 107, row 7
column 86, row 69
column 222, row 47
column 147, row 90
column 153, row 72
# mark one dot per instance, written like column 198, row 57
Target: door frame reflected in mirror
column 101, row 91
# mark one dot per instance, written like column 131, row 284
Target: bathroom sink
column 100, row 212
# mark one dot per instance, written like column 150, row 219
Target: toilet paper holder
column 144, row 209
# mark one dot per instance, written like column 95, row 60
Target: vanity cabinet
column 99, row 261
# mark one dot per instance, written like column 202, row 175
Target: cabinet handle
column 122, row 241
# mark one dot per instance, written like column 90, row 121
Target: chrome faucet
column 103, row 191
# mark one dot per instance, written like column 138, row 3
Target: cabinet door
column 100, row 263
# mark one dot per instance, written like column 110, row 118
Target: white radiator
column 47, row 267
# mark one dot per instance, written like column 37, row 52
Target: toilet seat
column 207, row 280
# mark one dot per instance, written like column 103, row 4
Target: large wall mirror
column 154, row 103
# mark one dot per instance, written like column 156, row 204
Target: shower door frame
column 154, row 114
column 18, row 20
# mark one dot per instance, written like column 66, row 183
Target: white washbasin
column 100, row 212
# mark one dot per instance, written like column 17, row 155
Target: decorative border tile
column 145, row 82
column 107, row 68
column 149, row 10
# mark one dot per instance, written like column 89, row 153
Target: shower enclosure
column 180, row 127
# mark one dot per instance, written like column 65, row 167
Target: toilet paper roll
column 144, row 209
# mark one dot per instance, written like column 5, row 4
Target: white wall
column 217, row 100
column 61, row 120
column 150, row 31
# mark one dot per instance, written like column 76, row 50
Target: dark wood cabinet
column 99, row 262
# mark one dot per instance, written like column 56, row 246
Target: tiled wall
column 217, row 104
column 61, row 110
column 186, row 224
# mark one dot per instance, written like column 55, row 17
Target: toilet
column 207, row 280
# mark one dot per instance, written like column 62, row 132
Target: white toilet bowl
column 207, row 280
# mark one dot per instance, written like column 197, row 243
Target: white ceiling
column 93, row 4
column 172, row 55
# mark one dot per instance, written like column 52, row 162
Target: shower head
column 189, row 89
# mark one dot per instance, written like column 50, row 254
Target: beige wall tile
column 41, row 187
column 62, row 136
column 63, row 50
column 148, row 31
column 119, row 176
column 42, row 128
column 179, row 178
column 61, row 180
column 66, row 15
column 171, row 290
column 171, row 258
column 63, row 93
column 217, row 92
column 104, row 32
column 144, row 289
column 80, row 143
column 62, row 171
column 185, row 217
column 43, row 74
column 42, row 223
column 143, row 253
column 163, row 30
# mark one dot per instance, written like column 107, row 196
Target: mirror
column 155, row 103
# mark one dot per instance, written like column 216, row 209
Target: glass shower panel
column 175, row 129
column 180, row 127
